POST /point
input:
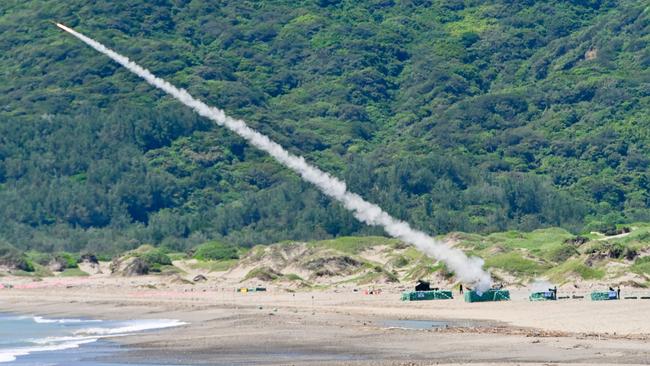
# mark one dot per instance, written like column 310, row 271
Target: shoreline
column 343, row 327
column 32, row 338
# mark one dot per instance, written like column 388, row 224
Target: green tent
column 604, row 295
column 489, row 295
column 542, row 296
column 426, row 295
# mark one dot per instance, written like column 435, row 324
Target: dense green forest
column 476, row 116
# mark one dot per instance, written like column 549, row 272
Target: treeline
column 452, row 115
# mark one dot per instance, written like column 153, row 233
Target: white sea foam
column 42, row 320
column 9, row 355
column 131, row 327
column 84, row 335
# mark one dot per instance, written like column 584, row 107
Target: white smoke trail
column 467, row 270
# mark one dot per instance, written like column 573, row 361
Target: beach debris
column 372, row 291
column 176, row 279
column 199, row 278
column 251, row 289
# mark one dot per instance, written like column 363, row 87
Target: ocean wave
column 9, row 355
column 131, row 327
column 42, row 320
column 84, row 335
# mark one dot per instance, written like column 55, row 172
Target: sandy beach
column 340, row 326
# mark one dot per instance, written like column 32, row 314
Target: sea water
column 35, row 340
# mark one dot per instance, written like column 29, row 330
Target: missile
column 62, row 26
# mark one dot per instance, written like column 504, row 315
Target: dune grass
column 542, row 239
column 354, row 244
column 563, row 272
column 641, row 266
column 73, row 272
column 214, row 266
column 515, row 263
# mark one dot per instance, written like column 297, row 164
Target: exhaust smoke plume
column 467, row 270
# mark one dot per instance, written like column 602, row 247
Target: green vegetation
column 468, row 116
column 155, row 259
column 12, row 258
column 215, row 266
column 293, row 277
column 263, row 274
column 69, row 260
column 73, row 272
column 512, row 257
column 642, row 266
column 215, row 251
column 177, row 256
column 514, row 263
column 574, row 268
column 562, row 253
column 399, row 261
column 355, row 245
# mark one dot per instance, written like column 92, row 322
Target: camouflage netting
column 542, row 296
column 489, row 295
column 427, row 295
column 604, row 295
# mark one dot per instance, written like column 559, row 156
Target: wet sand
column 342, row 327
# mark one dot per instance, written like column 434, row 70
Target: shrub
column 606, row 228
column 69, row 260
column 38, row 257
column 214, row 251
column 13, row 258
column 155, row 258
column 641, row 265
column 562, row 253
column 263, row 274
column 642, row 260
column 293, row 277
column 618, row 251
column 399, row 261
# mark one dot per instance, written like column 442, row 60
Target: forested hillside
column 476, row 116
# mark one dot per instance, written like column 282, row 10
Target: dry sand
column 339, row 326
